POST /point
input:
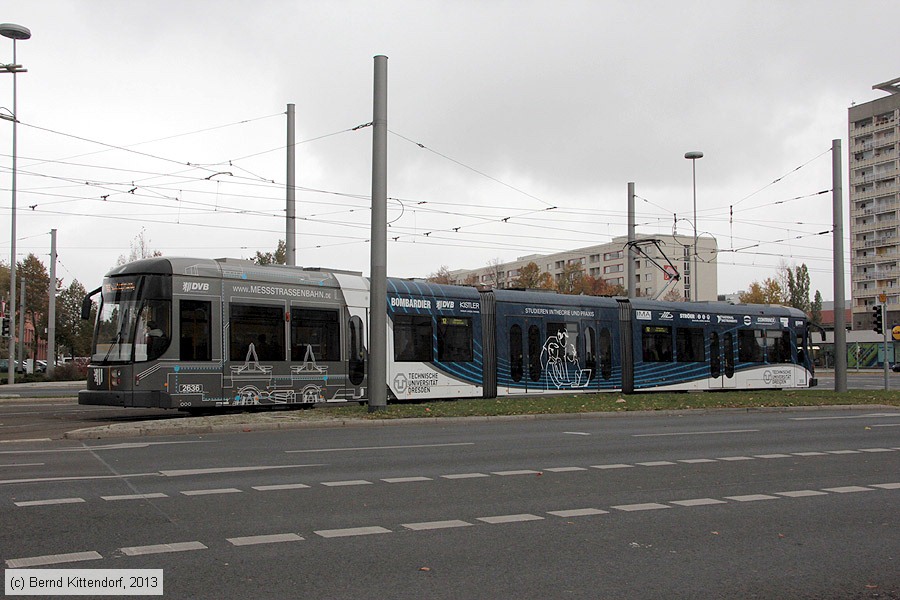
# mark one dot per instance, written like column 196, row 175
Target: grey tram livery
column 198, row 334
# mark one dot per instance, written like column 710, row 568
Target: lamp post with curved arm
column 693, row 156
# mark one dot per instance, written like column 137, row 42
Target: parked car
column 896, row 368
column 4, row 366
column 40, row 366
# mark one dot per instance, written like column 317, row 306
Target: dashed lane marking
column 639, row 507
column 351, row 531
column 564, row 469
column 577, row 512
column 615, row 466
column 162, row 548
column 801, row 493
column 211, row 492
column 346, row 483
column 283, row 486
column 751, row 498
column 698, row 502
column 518, row 472
column 464, row 475
column 496, row 520
column 275, row 538
column 437, row 525
column 135, row 497
column 406, row 479
column 849, row 489
column 51, row 559
column 656, row 463
column 49, row 502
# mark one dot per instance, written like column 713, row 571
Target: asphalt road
column 793, row 504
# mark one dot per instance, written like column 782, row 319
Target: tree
column 140, row 248
column 442, row 275
column 529, row 277
column 767, row 292
column 815, row 313
column 798, row 288
column 279, row 257
column 73, row 335
column 571, row 280
column 32, row 275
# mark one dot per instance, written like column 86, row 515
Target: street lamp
column 15, row 33
column 693, row 156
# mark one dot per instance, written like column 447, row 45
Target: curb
column 202, row 425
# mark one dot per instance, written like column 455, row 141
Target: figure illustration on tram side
column 559, row 359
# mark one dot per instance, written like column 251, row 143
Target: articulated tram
column 195, row 334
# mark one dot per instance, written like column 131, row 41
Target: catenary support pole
column 22, row 323
column 290, row 240
column 51, row 312
column 840, row 328
column 378, row 290
column 630, row 270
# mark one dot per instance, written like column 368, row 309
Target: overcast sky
column 168, row 117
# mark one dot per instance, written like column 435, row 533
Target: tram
column 196, row 334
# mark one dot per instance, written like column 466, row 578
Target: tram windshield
column 134, row 323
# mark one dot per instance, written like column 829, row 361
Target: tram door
column 523, row 360
column 721, row 360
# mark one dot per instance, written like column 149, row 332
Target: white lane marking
column 49, row 502
column 275, row 538
column 886, row 425
column 123, row 446
column 366, row 448
column 352, row 531
column 615, row 466
column 510, row 518
column 23, row 465
column 283, row 486
column 644, row 506
column 751, row 498
column 346, row 483
column 656, row 463
column 17, row 441
column 868, row 416
column 887, row 486
column 79, row 478
column 183, row 472
column 405, row 479
column 848, row 489
column 727, row 431
column 576, row 433
column 875, row 450
column 162, row 548
column 810, row 453
column 696, row 461
column 211, row 491
column 843, row 451
column 735, row 458
column 464, row 475
column 519, row 472
column 578, row 512
column 772, row 455
column 801, row 493
column 698, row 502
column 51, row 559
column 436, row 525
column 564, row 469
column 135, row 497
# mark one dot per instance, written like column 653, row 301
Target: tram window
column 196, row 330
column 656, row 343
column 689, row 344
column 154, row 330
column 413, row 338
column 715, row 366
column 357, row 365
column 454, row 339
column 259, row 326
column 590, row 352
column 778, row 346
column 728, row 348
column 316, row 331
column 605, row 353
column 534, row 353
column 751, row 343
column 516, row 356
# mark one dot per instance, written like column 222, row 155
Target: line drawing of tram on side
column 198, row 334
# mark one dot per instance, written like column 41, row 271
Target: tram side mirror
column 86, row 305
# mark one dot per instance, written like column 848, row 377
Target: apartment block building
column 607, row 261
column 874, row 140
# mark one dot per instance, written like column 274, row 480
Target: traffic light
column 5, row 329
column 876, row 318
